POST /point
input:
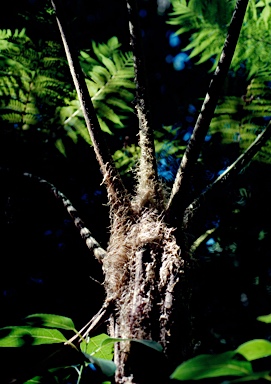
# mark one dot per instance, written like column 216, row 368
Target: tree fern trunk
column 145, row 277
column 145, row 267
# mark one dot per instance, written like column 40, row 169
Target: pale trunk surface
column 144, row 275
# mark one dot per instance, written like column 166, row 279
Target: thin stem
column 178, row 198
column 232, row 171
column 100, row 317
column 80, row 374
column 115, row 188
column 148, row 186
column 92, row 244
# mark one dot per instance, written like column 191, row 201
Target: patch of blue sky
column 180, row 60
column 167, row 167
column 210, row 242
column 143, row 13
column 187, row 136
column 192, row 109
column 174, row 40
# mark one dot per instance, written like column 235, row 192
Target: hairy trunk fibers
column 144, row 275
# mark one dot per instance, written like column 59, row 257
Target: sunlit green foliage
column 208, row 22
column 239, row 117
column 231, row 364
column 95, row 353
column 31, row 80
column 36, row 90
column 109, row 76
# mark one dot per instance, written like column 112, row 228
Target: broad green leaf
column 265, row 319
column 255, row 349
column 35, row 380
column 108, row 367
column 205, row 366
column 50, row 321
column 19, row 336
column 95, row 346
column 255, row 376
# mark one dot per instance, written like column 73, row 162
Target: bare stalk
column 230, row 173
column 115, row 188
column 85, row 233
column 177, row 201
column 101, row 316
column 148, row 192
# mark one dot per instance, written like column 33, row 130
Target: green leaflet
column 95, row 346
column 226, row 364
column 255, row 349
column 207, row 366
column 237, row 119
column 265, row 319
column 109, row 78
column 29, row 80
column 241, row 119
column 50, row 321
column 19, row 336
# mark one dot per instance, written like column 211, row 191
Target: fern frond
column 207, row 23
column 241, row 119
column 15, row 105
column 13, row 118
column 28, row 78
column 109, row 78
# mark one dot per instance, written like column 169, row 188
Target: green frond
column 237, row 119
column 105, row 112
column 5, row 34
column 15, row 105
column 109, row 64
column 204, row 42
column 13, row 118
column 30, row 119
column 28, row 78
column 81, row 130
column 106, row 49
column 60, row 146
column 109, row 78
column 104, row 126
column 241, row 119
column 30, row 86
column 126, row 158
column 120, row 104
column 207, row 22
